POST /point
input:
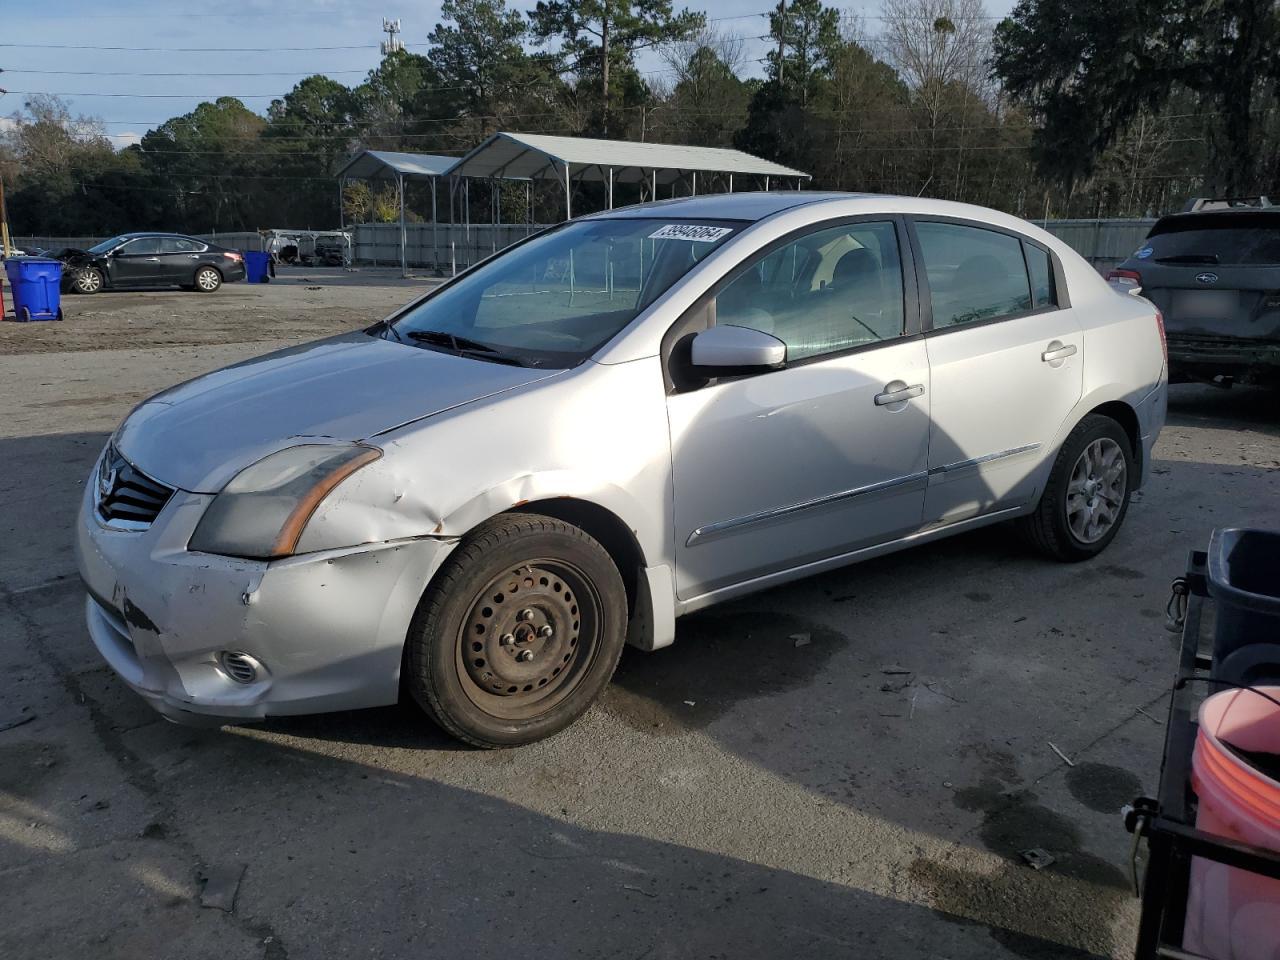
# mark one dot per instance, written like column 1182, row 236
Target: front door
column 1006, row 361
column 779, row 469
column 137, row 263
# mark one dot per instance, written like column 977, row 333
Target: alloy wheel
column 208, row 279
column 88, row 281
column 1096, row 490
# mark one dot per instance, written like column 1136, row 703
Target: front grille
column 125, row 495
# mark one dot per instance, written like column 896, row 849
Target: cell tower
column 392, row 44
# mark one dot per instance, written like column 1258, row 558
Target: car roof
column 139, row 234
column 749, row 205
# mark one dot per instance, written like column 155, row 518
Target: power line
column 185, row 73
column 89, row 46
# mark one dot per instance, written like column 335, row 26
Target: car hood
column 198, row 435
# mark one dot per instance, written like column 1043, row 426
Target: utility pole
column 604, row 65
column 4, row 223
column 782, row 41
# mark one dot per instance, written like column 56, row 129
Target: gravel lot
column 734, row 796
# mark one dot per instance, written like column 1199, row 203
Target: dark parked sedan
column 134, row 260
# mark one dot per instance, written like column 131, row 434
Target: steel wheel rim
column 89, row 281
column 528, row 638
column 1096, row 490
column 207, row 279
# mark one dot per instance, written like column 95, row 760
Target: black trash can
column 1243, row 577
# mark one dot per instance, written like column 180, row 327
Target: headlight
column 262, row 512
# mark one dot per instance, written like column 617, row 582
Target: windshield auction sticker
column 690, row 231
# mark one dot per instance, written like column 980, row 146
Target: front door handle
column 153, row 259
column 1056, row 352
column 899, row 392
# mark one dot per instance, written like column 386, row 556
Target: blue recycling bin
column 256, row 264
column 36, row 284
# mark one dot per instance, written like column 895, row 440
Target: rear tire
column 207, row 280
column 518, row 633
column 1087, row 496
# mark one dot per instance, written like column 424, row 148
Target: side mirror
column 732, row 351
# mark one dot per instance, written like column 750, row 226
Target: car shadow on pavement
column 341, row 857
column 1193, row 404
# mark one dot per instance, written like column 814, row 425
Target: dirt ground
column 865, row 795
column 301, row 303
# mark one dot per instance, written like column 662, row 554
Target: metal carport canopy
column 529, row 156
column 388, row 165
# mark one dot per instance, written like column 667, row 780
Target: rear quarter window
column 1041, row 271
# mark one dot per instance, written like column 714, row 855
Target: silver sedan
column 621, row 420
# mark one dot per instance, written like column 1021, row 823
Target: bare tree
column 940, row 49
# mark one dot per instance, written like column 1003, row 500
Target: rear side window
column 1240, row 239
column 1041, row 271
column 180, row 245
column 974, row 274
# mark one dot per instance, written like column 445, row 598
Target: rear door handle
column 1056, row 352
column 899, row 392
column 153, row 259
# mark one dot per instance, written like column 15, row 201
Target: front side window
column 974, row 274
column 828, row 291
column 556, row 299
column 142, row 247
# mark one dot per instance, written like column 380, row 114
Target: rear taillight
column 1126, row 278
column 1164, row 341
column 233, row 255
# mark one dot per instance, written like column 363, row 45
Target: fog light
column 240, row 667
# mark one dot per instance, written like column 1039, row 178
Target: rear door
column 1215, row 275
column 137, row 263
column 179, row 257
column 1005, row 364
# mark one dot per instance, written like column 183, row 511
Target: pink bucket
column 1234, row 914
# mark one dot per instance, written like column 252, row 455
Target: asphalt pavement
column 849, row 766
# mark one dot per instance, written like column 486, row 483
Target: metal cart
column 1167, row 821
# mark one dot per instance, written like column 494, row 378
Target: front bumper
column 327, row 628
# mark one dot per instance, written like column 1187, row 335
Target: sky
column 103, row 83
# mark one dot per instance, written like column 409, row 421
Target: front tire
column 87, row 280
column 1087, row 496
column 519, row 632
column 208, row 280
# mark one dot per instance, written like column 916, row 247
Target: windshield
column 106, row 245
column 553, row 301
column 1244, row 239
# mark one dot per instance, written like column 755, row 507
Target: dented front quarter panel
column 595, row 433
